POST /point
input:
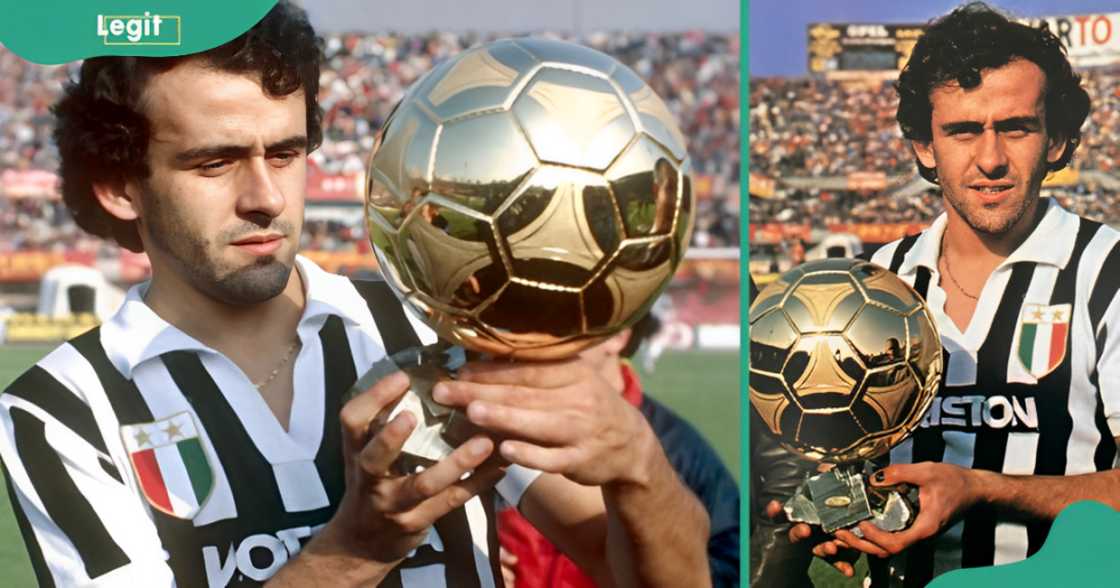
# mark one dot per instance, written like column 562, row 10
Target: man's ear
column 1056, row 148
column 119, row 198
column 924, row 153
column 618, row 342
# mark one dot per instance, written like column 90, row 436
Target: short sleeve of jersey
column 516, row 481
column 80, row 521
column 1108, row 365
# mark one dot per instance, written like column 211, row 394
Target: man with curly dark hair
column 103, row 131
column 199, row 436
column 1024, row 293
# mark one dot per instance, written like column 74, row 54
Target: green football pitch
column 701, row 386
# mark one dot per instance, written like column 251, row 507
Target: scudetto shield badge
column 1043, row 331
column 170, row 464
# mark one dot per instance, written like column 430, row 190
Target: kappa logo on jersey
column 170, row 464
column 1042, row 337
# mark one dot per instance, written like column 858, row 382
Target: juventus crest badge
column 1043, row 331
column 170, row 464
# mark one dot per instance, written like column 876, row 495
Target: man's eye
column 214, row 166
column 283, row 158
column 1018, row 133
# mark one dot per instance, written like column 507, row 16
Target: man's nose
column 259, row 192
column 991, row 158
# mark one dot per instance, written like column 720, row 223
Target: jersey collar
column 631, row 385
column 136, row 333
column 1051, row 242
column 329, row 294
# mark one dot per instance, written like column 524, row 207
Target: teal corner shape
column 1081, row 551
column 58, row 31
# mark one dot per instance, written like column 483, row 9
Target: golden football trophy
column 526, row 199
column 844, row 362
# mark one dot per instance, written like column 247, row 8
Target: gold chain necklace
column 949, row 272
column 279, row 366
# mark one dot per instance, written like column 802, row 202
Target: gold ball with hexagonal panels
column 529, row 198
column 844, row 360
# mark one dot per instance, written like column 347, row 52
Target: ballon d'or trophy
column 844, row 362
column 526, row 199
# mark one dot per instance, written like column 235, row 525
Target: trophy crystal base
column 439, row 428
column 839, row 498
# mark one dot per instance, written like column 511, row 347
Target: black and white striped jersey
column 137, row 456
column 1031, row 387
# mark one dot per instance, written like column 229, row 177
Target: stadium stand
column 827, row 156
column 696, row 73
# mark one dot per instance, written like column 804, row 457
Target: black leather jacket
column 774, row 475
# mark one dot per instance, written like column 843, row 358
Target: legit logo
column 149, row 29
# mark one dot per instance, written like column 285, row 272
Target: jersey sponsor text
column 975, row 411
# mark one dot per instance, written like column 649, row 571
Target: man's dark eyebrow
column 238, row 151
column 1013, row 123
column 296, row 142
column 1019, row 122
column 968, row 126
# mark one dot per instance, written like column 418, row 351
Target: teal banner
column 58, row 31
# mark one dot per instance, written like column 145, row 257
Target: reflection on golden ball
column 844, row 361
column 529, row 197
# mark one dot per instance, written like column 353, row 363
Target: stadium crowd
column 1101, row 147
column 828, row 207
column 814, row 127
column 821, row 208
column 820, row 130
column 696, row 73
column 26, row 94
